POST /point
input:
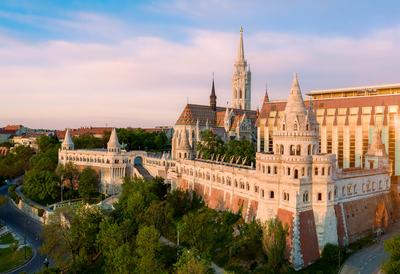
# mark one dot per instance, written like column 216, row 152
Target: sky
column 137, row 63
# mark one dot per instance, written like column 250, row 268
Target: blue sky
column 136, row 63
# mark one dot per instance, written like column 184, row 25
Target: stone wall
column 362, row 217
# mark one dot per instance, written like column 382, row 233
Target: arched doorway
column 138, row 161
column 381, row 216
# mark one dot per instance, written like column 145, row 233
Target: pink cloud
column 145, row 81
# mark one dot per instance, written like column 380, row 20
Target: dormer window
column 295, row 127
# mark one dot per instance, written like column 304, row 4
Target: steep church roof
column 192, row 113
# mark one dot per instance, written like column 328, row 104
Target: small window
column 288, row 171
column 269, row 170
column 316, row 171
column 319, row 196
column 323, row 171
column 271, row 194
column 262, row 193
column 275, row 170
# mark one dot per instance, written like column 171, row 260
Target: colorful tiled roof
column 191, row 113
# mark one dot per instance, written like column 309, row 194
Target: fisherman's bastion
column 320, row 201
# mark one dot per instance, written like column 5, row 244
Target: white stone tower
column 184, row 150
column 113, row 145
column 67, row 144
column 241, row 80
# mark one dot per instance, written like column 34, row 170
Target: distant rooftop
column 356, row 91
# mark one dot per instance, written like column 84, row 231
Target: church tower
column 113, row 145
column 241, row 80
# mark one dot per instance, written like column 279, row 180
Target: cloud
column 146, row 80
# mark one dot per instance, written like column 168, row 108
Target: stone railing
column 31, row 208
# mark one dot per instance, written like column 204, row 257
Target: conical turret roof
column 184, row 142
column 113, row 141
column 67, row 139
column 295, row 111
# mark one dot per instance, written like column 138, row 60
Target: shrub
column 332, row 254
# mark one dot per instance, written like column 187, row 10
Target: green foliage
column 191, row 262
column 274, row 244
column 88, row 183
column 182, row 202
column 243, row 149
column 212, row 145
column 47, row 142
column 392, row 265
column 73, row 247
column 333, row 255
column 3, row 200
column 68, row 172
column 6, row 144
column 138, row 139
column 116, row 248
column 89, row 142
column 205, row 230
column 147, row 246
column 15, row 163
column 41, row 186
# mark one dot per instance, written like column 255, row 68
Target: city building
column 348, row 118
column 319, row 201
column 237, row 122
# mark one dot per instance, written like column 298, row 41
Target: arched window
column 295, row 127
column 296, row 174
column 282, row 150
column 323, row 171
column 240, row 94
column 309, row 150
column 292, row 150
column 271, row 194
column 298, row 150
column 319, row 196
column 329, row 171
column 329, row 196
column 335, row 191
column 305, row 197
column 283, row 127
column 355, row 189
column 262, row 193
column 269, row 170
column 316, row 171
column 288, row 171
column 343, row 191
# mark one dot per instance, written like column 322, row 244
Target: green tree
column 392, row 265
column 243, row 149
column 71, row 241
column 210, row 145
column 274, row 244
column 190, row 262
column 46, row 142
column 116, row 248
column 68, row 172
column 41, row 186
column 88, row 142
column 147, row 246
column 88, row 183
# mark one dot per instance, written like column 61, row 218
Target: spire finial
column 241, row 50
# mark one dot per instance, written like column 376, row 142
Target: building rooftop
column 363, row 90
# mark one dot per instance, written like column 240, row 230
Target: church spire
column 266, row 97
column 213, row 97
column 240, row 57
